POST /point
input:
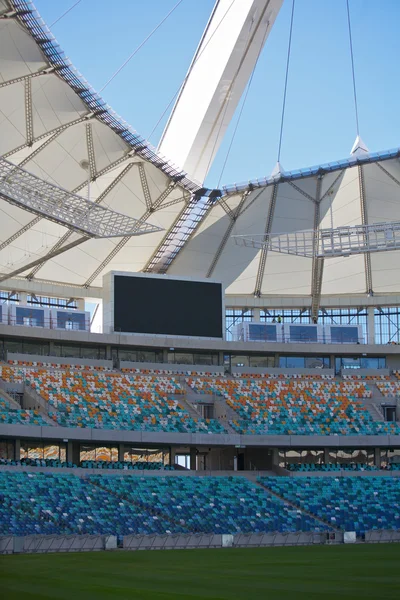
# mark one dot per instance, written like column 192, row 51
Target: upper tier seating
column 293, row 407
column 111, row 400
column 12, row 416
column 351, row 503
column 42, row 503
column 355, row 377
column 389, row 388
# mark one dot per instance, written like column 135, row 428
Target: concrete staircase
column 373, row 404
column 186, row 405
column 298, row 507
column 223, row 413
column 14, row 405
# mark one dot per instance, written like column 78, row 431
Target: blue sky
column 319, row 124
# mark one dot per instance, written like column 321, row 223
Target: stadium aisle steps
column 351, row 503
column 262, row 482
column 138, row 505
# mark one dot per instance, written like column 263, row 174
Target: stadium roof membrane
column 53, row 125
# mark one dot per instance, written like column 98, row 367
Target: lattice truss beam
column 22, row 189
column 328, row 243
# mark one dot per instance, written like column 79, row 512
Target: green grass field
column 346, row 572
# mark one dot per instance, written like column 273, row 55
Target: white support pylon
column 214, row 84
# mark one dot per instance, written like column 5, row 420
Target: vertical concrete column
column 80, row 303
column 256, row 314
column 377, row 460
column 193, row 459
column 326, row 456
column 17, row 449
column 69, row 452
column 371, row 325
column 23, row 297
column 172, row 453
column 121, row 450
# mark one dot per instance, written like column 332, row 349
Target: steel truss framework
column 328, row 243
column 44, row 199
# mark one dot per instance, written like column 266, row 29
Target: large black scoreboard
column 167, row 306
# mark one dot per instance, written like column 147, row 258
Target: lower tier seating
column 329, row 468
column 42, row 503
column 351, row 503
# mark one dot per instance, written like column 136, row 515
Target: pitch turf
column 346, row 572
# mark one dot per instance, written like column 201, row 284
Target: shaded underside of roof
column 55, row 126
column 365, row 193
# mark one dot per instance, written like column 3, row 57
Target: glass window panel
column 13, row 346
column 263, row 362
column 114, row 454
column 292, row 362
column 35, row 450
column 89, row 352
column 145, row 356
column 303, row 333
column 103, row 453
column 183, row 358
column 316, row 362
column 87, row 453
column 63, row 452
column 233, row 317
column 344, row 335
column 260, row 332
column 51, row 451
column 240, row 361
column 6, row 449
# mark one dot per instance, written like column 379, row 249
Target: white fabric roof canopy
column 52, row 124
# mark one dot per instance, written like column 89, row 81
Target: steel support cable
column 187, row 75
column 141, row 45
column 352, row 67
column 286, row 82
column 64, row 13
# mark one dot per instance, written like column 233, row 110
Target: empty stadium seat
column 111, row 400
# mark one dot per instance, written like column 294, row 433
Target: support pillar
column 17, row 449
column 172, row 452
column 193, row 459
column 23, row 297
column 80, row 303
column 377, row 458
column 69, row 452
column 371, row 325
column 121, row 452
column 256, row 314
column 326, row 456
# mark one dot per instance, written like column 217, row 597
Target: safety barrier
column 6, row 544
column 382, row 537
column 90, row 543
column 41, row 544
column 170, row 542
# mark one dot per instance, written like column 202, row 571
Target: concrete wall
column 58, row 360
column 278, row 371
column 149, row 341
column 218, row 370
column 196, row 439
